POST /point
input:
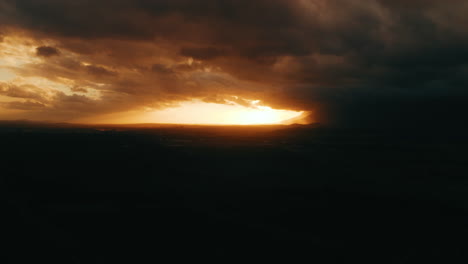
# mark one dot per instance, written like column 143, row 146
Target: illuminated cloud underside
column 221, row 114
column 369, row 62
column 198, row 112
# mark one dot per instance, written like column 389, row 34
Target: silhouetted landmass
column 142, row 194
column 305, row 118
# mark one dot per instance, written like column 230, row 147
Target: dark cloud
column 159, row 68
column 370, row 62
column 99, row 71
column 202, row 53
column 45, row 51
column 23, row 91
column 27, row 105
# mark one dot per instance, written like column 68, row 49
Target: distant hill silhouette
column 304, row 119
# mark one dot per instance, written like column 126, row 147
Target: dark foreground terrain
column 81, row 194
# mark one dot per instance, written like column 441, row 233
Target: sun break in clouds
column 367, row 62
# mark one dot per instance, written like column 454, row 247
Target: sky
column 379, row 63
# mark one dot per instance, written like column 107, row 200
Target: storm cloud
column 365, row 63
column 46, row 51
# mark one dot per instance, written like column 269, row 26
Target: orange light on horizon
column 197, row 112
column 202, row 113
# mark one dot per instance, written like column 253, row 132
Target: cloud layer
column 367, row 62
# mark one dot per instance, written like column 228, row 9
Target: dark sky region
column 380, row 63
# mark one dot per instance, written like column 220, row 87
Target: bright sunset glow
column 43, row 91
column 197, row 112
column 150, row 62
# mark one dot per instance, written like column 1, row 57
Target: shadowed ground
column 81, row 194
